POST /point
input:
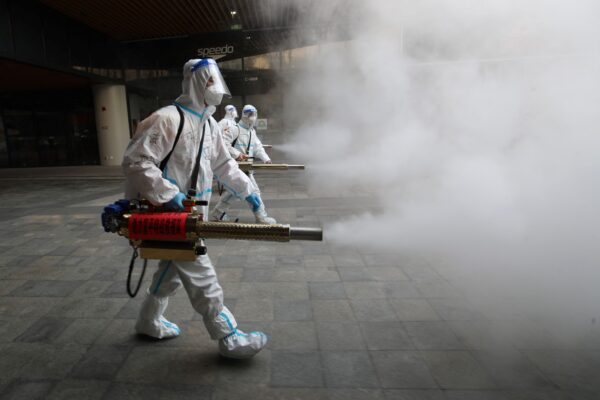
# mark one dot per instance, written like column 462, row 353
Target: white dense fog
column 474, row 127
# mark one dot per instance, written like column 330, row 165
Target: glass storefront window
column 34, row 138
column 3, row 147
column 262, row 62
column 231, row 65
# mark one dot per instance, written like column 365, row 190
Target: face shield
column 230, row 112
column 204, row 70
column 203, row 86
column 249, row 115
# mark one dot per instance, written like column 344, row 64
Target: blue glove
column 176, row 203
column 254, row 201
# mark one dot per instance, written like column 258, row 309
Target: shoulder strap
column 249, row 142
column 194, row 181
column 164, row 162
column 238, row 136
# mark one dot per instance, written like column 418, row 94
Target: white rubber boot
column 262, row 217
column 242, row 345
column 151, row 321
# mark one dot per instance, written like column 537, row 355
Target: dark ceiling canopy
column 129, row 20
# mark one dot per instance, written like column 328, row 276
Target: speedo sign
column 215, row 52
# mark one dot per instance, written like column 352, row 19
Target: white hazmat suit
column 203, row 88
column 228, row 121
column 242, row 139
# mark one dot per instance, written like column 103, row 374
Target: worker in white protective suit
column 228, row 120
column 243, row 144
column 159, row 166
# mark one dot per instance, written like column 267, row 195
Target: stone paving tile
column 388, row 335
column 81, row 272
column 456, row 309
column 569, row 369
column 354, row 274
column 457, row 370
column 322, row 274
column 41, row 288
column 131, row 309
column 480, row 335
column 33, row 272
column 44, row 330
column 230, row 274
column 381, row 260
column 293, row 336
column 287, row 274
column 36, row 361
column 27, row 390
column 156, row 365
column 327, row 290
column 387, row 274
column 365, row 290
column 100, row 362
column 88, row 308
column 27, row 307
column 438, row 289
column 312, row 260
column 332, row 310
column 246, row 391
column 413, row 310
column 121, row 332
column 548, row 394
column 296, row 369
column 258, row 275
column 475, row 395
column 258, row 261
column 231, row 261
column 9, row 285
column 421, row 273
column 340, row 336
column 255, row 290
column 349, row 369
column 512, row 369
column 373, row 310
column 168, row 391
column 12, row 327
column 254, row 310
column 83, row 331
column 412, row 394
column 348, row 260
column 402, row 369
column 299, row 310
column 256, row 370
column 75, row 389
column 432, row 335
column 291, row 291
column 290, row 261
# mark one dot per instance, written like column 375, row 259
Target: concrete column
column 112, row 124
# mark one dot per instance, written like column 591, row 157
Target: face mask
column 212, row 97
column 252, row 120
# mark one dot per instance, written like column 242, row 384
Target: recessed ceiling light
column 233, row 13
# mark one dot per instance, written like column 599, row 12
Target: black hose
column 131, row 265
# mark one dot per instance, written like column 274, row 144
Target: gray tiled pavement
column 343, row 323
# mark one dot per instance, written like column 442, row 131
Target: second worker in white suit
column 228, row 120
column 244, row 143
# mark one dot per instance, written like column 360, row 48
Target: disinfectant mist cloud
column 477, row 125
